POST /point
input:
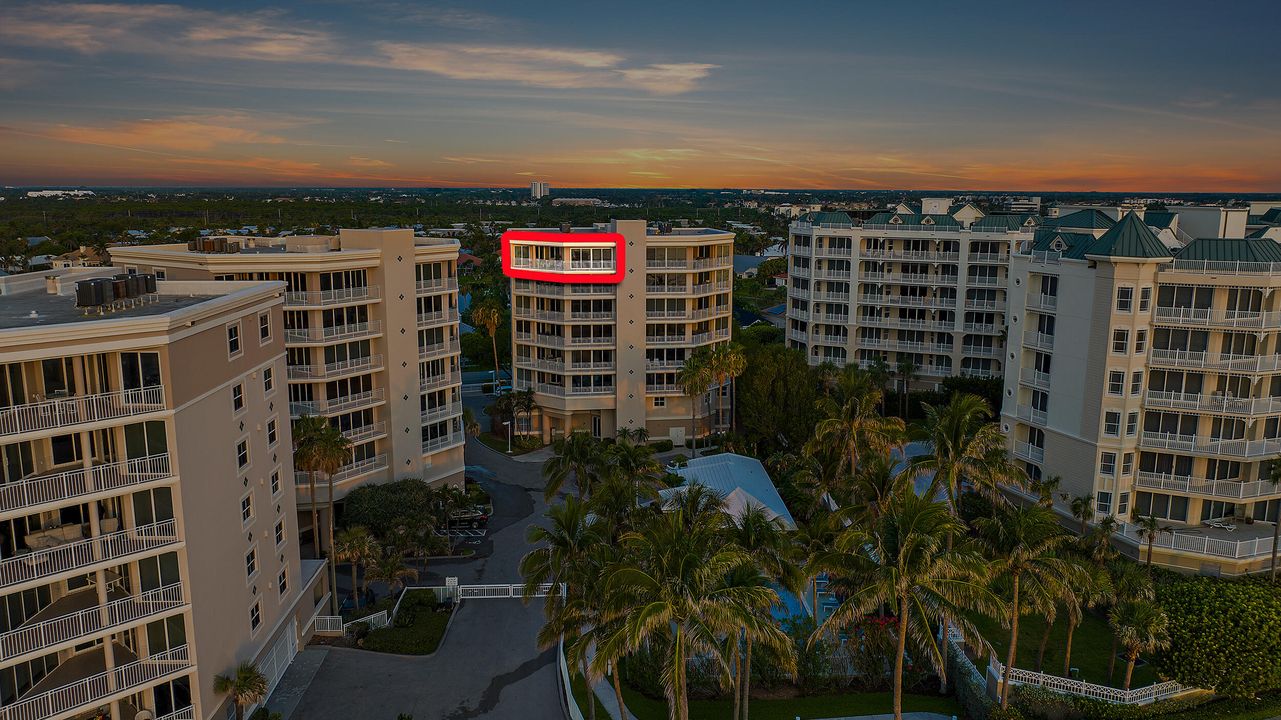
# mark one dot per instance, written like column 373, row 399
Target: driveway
column 489, row 664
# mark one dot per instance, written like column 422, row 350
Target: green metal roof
column 1071, row 245
column 1158, row 219
column 906, row 220
column 1082, row 219
column 827, row 218
column 1233, row 249
column 1273, row 215
column 1004, row 222
column 1130, row 238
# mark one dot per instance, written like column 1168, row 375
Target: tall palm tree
column 1149, row 527
column 632, row 462
column 907, row 372
column 1045, row 488
column 726, row 362
column 471, row 425
column 355, row 545
column 851, row 422
column 880, row 371
column 489, row 315
column 1083, row 510
column 810, row 540
column 1026, row 544
column 1091, row 588
column 694, row 378
column 1129, row 582
column 1141, row 626
column 306, row 431
column 389, row 567
column 245, row 686
column 523, row 401
column 1274, row 477
column 577, row 454
column 965, row 447
column 903, row 561
column 879, row 480
column 329, row 450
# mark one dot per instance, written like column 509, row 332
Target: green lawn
column 418, row 630
column 579, row 689
column 1091, row 645
column 816, row 706
column 500, row 444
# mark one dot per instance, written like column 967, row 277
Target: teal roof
column 827, row 218
column 1158, row 219
column 1234, row 249
column 1082, row 219
column 1273, row 215
column 1130, row 238
column 907, row 220
column 1003, row 222
column 1071, row 245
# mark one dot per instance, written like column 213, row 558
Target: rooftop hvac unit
column 90, row 293
column 148, row 281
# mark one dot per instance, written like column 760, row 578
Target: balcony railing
column 1222, row 267
column 442, row 380
column 1043, row 303
column 1250, row 449
column 1197, row 359
column 1198, row 544
column 438, row 317
column 983, row 281
column 443, row 442
column 982, row 304
column 89, row 621
column 921, row 255
column 699, row 338
column 1231, row 489
column 72, row 484
column 66, row 412
column 982, row 328
column 365, row 432
column 336, row 405
column 1215, row 403
column 335, row 369
column 91, row 690
column 663, row 389
column 320, row 298
column 437, row 349
column 427, row 287
column 349, row 331
column 1038, row 340
column 590, row 340
column 654, row 264
column 82, row 554
column 903, row 323
column 440, row 412
column 1030, row 452
column 1031, row 414
column 1035, row 378
column 573, row 391
column 348, row 471
column 1218, row 319
column 906, row 301
column 562, row 265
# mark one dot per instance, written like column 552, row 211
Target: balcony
column 903, row 323
column 916, row 301
column 982, row 328
column 1239, row 448
column 706, row 288
column 1217, row 319
column 664, row 364
column 436, row 285
column 675, row 264
column 323, row 298
column 1229, row 489
column 573, row 391
column 707, row 337
column 680, row 314
column 663, row 389
column 829, row 274
column 990, row 258
column 26, row 496
column 79, row 409
column 563, row 265
column 1029, row 452
column 366, row 432
column 1042, row 303
column 1198, row 359
column 438, row 317
column 1027, row 413
column 798, row 272
column 332, row 406
column 557, row 290
column 1222, row 267
column 836, row 252
column 667, row 289
column 77, row 617
column 443, row 380
column 982, row 304
column 981, row 351
column 1038, row 340
column 797, row 335
column 590, row 340
column 444, row 442
column 1035, row 378
column 712, row 262
column 332, row 370
column 1214, row 403
column 834, row 340
column 351, row 470
column 438, row 349
column 83, row 681
column 702, row 313
column 1210, row 542
column 666, row 340
column 919, row 255
column 352, row 331
column 440, row 412
column 983, row 281
column 114, row 547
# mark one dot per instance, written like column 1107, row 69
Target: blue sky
column 1172, row 96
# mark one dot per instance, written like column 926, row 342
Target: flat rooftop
column 16, row 310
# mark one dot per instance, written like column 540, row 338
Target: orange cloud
column 175, row 134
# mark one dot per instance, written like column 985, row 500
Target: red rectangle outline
column 613, row 238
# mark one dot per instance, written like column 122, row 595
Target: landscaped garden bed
column 417, row 630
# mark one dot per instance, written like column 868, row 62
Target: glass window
column 1136, row 382
column 1123, row 504
column 275, row 483
column 140, row 370
column 247, row 508
column 237, row 397
column 268, row 381
column 1120, row 341
column 233, row 340
column 255, row 616
column 1127, row 463
column 1116, row 382
column 1107, row 463
column 1103, row 501
column 280, row 533
column 264, row 326
column 1124, row 299
column 282, row 581
column 1132, row 424
column 271, row 432
column 1145, row 299
column 1140, row 342
column 1112, row 423
column 251, row 563
column 242, row 454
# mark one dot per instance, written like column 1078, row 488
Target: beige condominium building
column 371, row 335
column 146, row 510
column 925, row 282
column 601, row 329
column 1147, row 373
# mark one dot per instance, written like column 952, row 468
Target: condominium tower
column 1146, row 374
column 146, row 511
column 605, row 317
column 923, row 283
column 371, row 335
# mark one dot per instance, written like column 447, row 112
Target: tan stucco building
column 147, row 538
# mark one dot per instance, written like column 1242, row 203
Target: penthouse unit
column 146, row 513
column 605, row 317
column 925, row 284
column 1148, row 376
column 371, row 335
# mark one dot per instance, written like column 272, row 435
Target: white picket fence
column 334, row 625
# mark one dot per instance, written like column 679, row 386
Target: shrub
column 661, row 446
column 996, row 712
column 359, row 630
column 679, row 460
column 263, row 713
column 421, row 637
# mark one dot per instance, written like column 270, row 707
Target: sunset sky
column 1143, row 96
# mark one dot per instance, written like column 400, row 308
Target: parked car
column 474, row 517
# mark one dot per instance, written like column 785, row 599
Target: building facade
column 1147, row 375
column 370, row 328
column 604, row 318
column 146, row 512
column 923, row 283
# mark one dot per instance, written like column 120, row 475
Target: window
column 246, row 509
column 251, row 563
column 1140, row 342
column 1132, row 424
column 1123, row 504
column 1124, row 299
column 264, row 327
column 275, row 483
column 1136, row 383
column 1127, row 464
column 1116, row 382
column 233, row 340
column 1103, row 502
column 237, row 398
column 255, row 616
column 1145, row 299
column 160, row 273
column 271, row 432
column 1107, row 463
column 268, row 380
column 1112, row 423
column 280, row 533
column 242, row 454
column 1165, row 507
column 282, row 581
column 660, row 402
column 1120, row 341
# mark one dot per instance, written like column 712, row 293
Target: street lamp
column 508, row 423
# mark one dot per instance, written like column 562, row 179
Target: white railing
column 568, row 391
column 28, row 493
column 1228, row 267
column 423, row 287
column 906, row 300
column 663, row 389
column 365, row 432
column 652, row 264
column 1192, row 443
column 85, row 553
column 1214, row 361
column 667, row 289
column 351, row 470
column 444, row 347
column 307, row 372
column 439, row 381
column 1136, row 696
column 977, row 304
column 590, row 340
column 1213, row 403
column 65, row 412
column 440, row 412
column 1030, row 414
column 591, row 366
column 91, row 690
column 502, row 591
column 437, row 317
column 444, row 441
column 1044, row 303
column 1218, row 318
column 983, row 281
column 980, row 328
column 336, row 405
column 187, row 713
column 1035, row 378
column 1038, row 340
column 1046, row 257
column 1198, row 544
column 924, row 255
column 96, row 619
column 337, row 332
column 1028, row 451
column 331, row 297
column 1233, row 489
column 327, row 625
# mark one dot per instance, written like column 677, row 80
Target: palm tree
column 1274, row 477
column 355, row 545
column 965, row 447
column 1025, row 542
column 489, row 315
column 245, row 686
column 1044, row 489
column 1129, row 582
column 389, row 567
column 1083, row 510
column 851, row 422
column 880, row 371
column 810, row 540
column 471, row 425
column 328, row 451
column 907, row 371
column 523, row 402
column 694, row 377
column 1149, row 527
column 903, row 561
column 1091, row 588
column 577, row 454
column 878, row 481
column 631, row 462
column 306, row 430
column 726, row 362
column 1141, row 627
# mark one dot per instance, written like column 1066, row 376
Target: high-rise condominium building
column 605, row 317
column 1147, row 374
column 146, row 510
column 923, row 283
column 371, row 334
column 539, row 189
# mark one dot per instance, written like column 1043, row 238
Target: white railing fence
column 571, row 705
column 93, row 689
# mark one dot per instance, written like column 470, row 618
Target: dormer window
column 1058, row 245
column 1029, row 222
column 896, row 220
column 927, row 220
